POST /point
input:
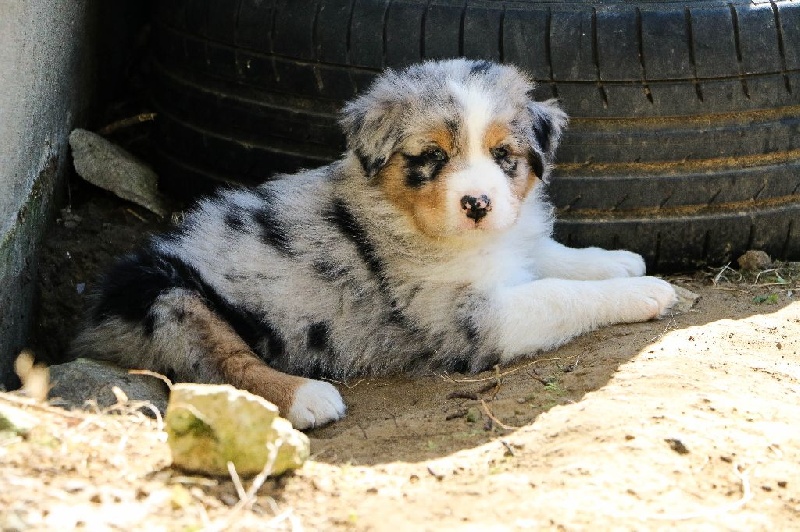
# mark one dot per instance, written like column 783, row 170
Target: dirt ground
column 690, row 422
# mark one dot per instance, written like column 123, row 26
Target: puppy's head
column 457, row 145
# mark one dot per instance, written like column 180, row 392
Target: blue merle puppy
column 427, row 247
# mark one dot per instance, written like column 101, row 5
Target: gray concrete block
column 46, row 60
column 18, row 252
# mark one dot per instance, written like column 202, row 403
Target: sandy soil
column 687, row 422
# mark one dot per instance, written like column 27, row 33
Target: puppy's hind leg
column 199, row 346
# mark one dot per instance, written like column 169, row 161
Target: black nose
column 476, row 208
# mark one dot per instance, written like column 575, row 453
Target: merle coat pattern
column 427, row 247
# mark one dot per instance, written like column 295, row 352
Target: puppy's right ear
column 372, row 125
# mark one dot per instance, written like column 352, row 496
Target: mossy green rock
column 211, row 425
column 15, row 421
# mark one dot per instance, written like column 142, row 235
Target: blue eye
column 434, row 155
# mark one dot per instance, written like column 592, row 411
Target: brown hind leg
column 202, row 347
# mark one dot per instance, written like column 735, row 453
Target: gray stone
column 686, row 300
column 211, row 425
column 110, row 167
column 19, row 247
column 82, row 380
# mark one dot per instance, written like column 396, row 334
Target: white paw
column 315, row 404
column 653, row 297
column 623, row 263
column 597, row 264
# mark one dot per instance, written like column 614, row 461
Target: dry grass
column 91, row 470
column 779, row 274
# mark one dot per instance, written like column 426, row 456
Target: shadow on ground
column 404, row 420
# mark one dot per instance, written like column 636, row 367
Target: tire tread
column 659, row 92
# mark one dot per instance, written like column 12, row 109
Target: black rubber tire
column 684, row 143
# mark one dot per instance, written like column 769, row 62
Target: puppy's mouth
column 483, row 224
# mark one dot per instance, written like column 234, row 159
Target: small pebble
column 754, row 260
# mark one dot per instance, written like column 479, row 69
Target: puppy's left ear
column 548, row 121
column 372, row 127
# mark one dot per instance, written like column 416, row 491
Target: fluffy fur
column 427, row 247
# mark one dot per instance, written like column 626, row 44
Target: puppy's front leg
column 551, row 259
column 546, row 313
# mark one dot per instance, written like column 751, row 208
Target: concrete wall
column 46, row 76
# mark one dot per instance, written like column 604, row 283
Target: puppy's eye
column 435, row 154
column 500, row 153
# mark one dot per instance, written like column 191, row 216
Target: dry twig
column 247, row 498
column 343, row 383
column 721, row 274
column 152, row 374
column 499, row 375
column 494, row 419
column 136, row 214
column 127, row 122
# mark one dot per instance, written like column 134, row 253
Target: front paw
column 315, row 403
column 651, row 298
column 623, row 263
